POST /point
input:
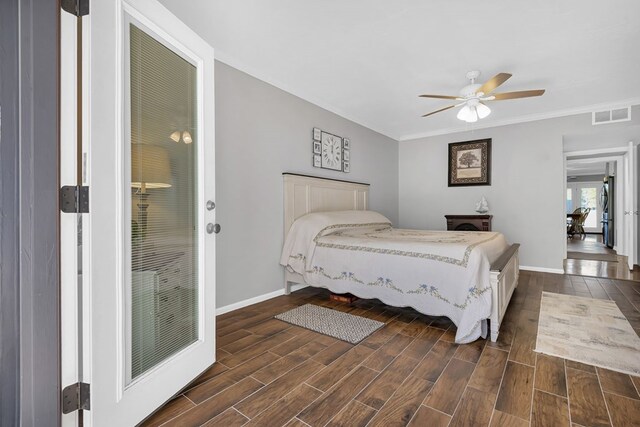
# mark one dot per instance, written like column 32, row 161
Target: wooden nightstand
column 469, row 222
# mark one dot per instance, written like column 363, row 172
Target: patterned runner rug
column 587, row 330
column 344, row 326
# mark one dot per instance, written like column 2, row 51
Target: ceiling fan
column 474, row 96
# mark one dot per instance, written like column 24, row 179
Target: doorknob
column 213, row 228
column 210, row 205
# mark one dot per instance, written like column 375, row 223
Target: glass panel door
column 586, row 195
column 589, row 199
column 163, row 202
column 148, row 298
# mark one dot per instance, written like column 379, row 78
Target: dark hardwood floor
column 410, row 372
column 592, row 244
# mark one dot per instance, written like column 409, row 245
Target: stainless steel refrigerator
column 608, row 213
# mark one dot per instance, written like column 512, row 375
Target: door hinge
column 75, row 7
column 76, row 397
column 74, row 199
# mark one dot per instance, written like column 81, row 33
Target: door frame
column 620, row 155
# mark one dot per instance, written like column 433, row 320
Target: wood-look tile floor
column 410, row 372
column 589, row 243
column 592, row 244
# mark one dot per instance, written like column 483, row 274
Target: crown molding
column 239, row 65
column 527, row 118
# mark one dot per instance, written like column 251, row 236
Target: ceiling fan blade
column 440, row 96
column 437, row 111
column 493, row 83
column 518, row 94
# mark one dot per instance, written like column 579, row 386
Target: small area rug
column 587, row 330
column 592, row 257
column 344, row 326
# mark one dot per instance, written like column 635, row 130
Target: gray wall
column 526, row 196
column 29, row 261
column 9, row 232
column 261, row 132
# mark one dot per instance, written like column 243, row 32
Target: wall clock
column 331, row 151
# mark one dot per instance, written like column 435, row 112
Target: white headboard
column 306, row 194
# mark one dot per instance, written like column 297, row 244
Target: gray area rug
column 592, row 257
column 344, row 326
column 587, row 330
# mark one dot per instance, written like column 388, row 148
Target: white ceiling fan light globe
column 483, row 110
column 464, row 113
column 473, row 115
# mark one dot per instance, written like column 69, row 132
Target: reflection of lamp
column 150, row 168
column 185, row 136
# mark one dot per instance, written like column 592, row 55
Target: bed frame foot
column 493, row 333
column 287, row 287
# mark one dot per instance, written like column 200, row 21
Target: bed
column 333, row 241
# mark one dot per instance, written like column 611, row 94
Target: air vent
column 612, row 116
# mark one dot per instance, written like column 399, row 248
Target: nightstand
column 468, row 222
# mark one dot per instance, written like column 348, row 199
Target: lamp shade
column 150, row 167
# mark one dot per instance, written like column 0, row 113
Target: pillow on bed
column 299, row 244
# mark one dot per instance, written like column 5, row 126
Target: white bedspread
column 441, row 273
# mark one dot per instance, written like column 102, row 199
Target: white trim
column 254, row 300
column 70, row 360
column 523, row 119
column 542, row 269
column 618, row 151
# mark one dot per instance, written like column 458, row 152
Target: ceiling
column 576, row 168
column 368, row 60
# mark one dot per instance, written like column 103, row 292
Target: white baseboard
column 542, row 269
column 255, row 300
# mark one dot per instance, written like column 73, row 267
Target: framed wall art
column 330, row 151
column 470, row 163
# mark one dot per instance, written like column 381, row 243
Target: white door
column 630, row 204
column 148, row 242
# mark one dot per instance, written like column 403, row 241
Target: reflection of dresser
column 158, row 309
column 469, row 222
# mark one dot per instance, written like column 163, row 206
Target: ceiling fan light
column 464, row 113
column 473, row 115
column 483, row 110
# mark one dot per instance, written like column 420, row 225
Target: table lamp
column 150, row 168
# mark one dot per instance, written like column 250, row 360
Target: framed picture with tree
column 470, row 163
